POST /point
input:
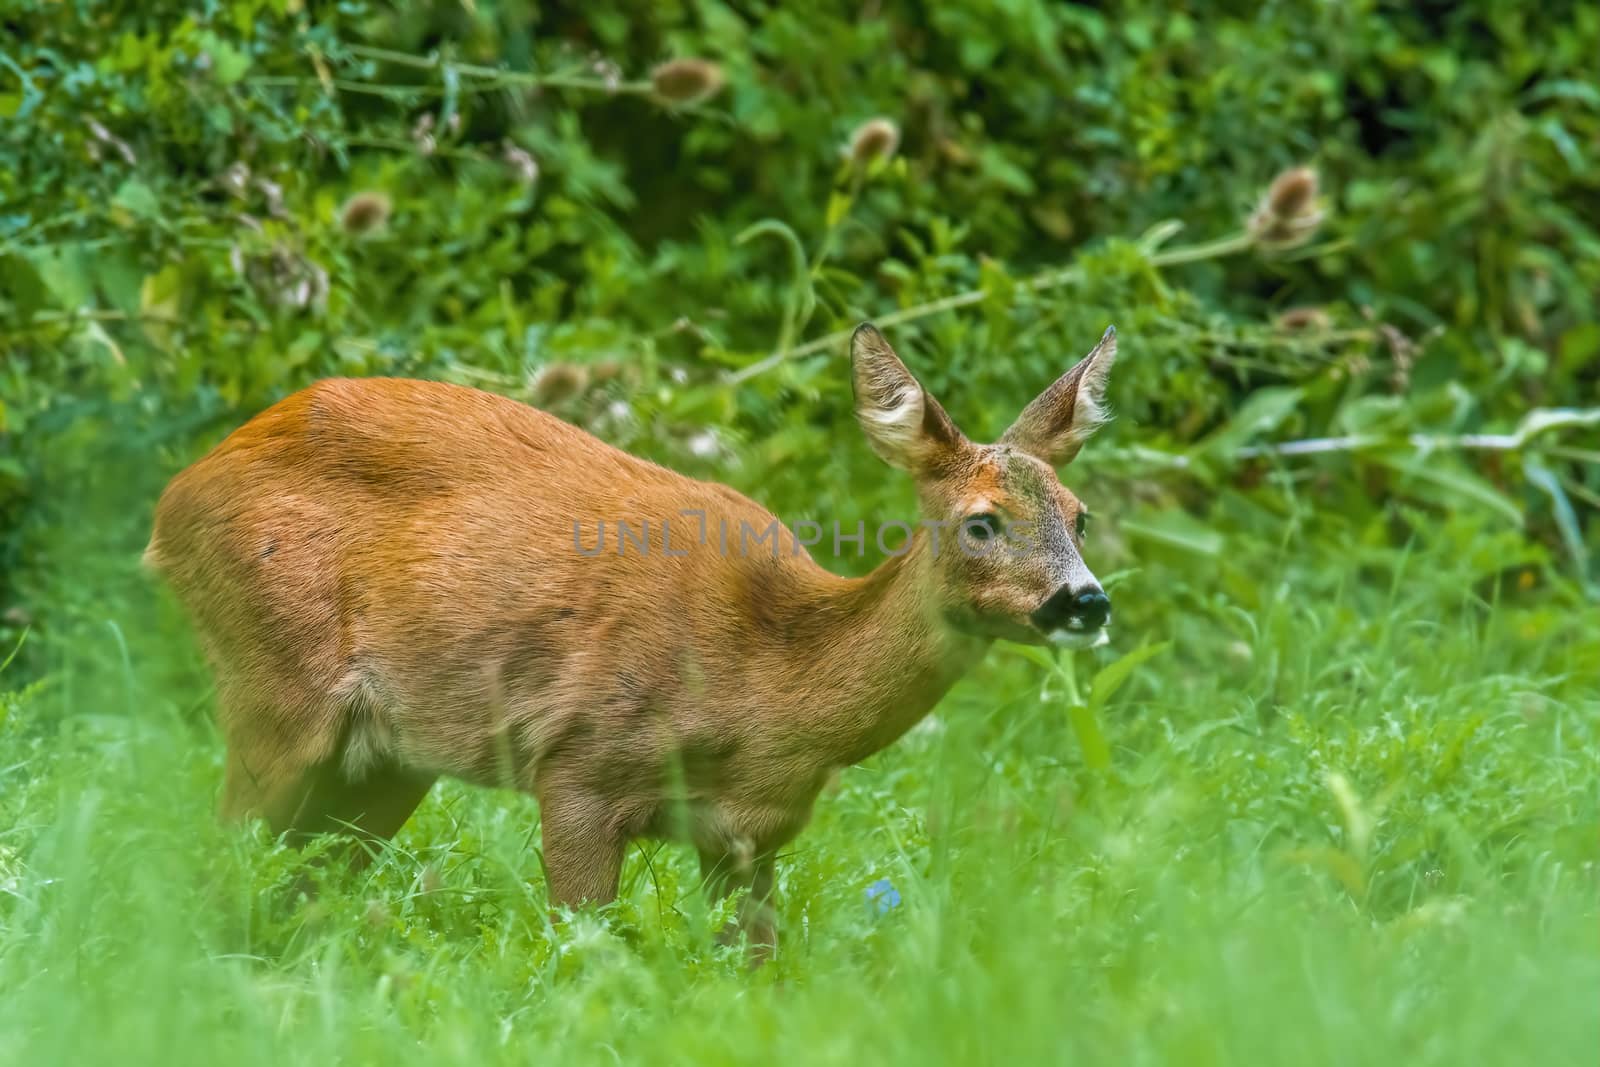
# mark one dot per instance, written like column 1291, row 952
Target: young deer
column 388, row 581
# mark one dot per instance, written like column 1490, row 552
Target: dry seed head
column 1288, row 214
column 1294, row 192
column 1297, row 320
column 558, row 382
column 873, row 140
column 686, row 81
column 364, row 213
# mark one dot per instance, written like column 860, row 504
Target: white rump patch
column 369, row 738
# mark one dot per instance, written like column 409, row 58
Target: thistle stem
column 1041, row 282
column 499, row 75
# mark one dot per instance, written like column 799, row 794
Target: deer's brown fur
column 387, row 580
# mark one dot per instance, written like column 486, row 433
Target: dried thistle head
column 686, row 81
column 1294, row 192
column 1288, row 214
column 1303, row 320
column 557, row 383
column 873, row 140
column 364, row 213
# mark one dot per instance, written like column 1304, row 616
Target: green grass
column 1348, row 816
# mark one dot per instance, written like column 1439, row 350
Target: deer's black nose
column 1084, row 608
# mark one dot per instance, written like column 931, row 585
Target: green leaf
column 1451, row 484
column 1036, row 655
column 66, row 272
column 1566, row 518
column 1177, row 529
column 228, row 64
column 1111, row 676
column 137, row 199
column 1096, row 753
column 1264, row 412
column 1564, row 89
column 118, row 276
column 159, row 304
column 839, row 204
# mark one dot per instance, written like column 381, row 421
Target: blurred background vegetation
column 1353, row 476
column 206, row 208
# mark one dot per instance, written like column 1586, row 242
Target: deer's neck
column 869, row 656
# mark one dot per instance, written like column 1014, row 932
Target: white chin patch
column 1079, row 638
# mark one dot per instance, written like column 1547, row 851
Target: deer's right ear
column 1060, row 419
column 904, row 425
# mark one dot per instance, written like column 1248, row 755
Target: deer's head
column 1007, row 536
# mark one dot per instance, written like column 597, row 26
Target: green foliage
column 1329, row 797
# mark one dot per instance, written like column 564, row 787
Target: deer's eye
column 982, row 527
column 1083, row 523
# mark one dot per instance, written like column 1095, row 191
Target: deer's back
column 411, row 545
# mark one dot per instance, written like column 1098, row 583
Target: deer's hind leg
column 725, row 872
column 289, row 763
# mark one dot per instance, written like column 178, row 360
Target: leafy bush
column 187, row 241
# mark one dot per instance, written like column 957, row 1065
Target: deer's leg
column 582, row 851
column 270, row 763
column 724, row 873
column 370, row 808
column 302, row 787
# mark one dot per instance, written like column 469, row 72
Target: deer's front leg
column 726, row 872
column 582, row 851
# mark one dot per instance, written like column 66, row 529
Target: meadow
column 1328, row 796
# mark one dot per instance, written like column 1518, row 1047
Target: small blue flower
column 883, row 894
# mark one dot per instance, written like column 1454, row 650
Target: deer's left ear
column 904, row 424
column 1060, row 419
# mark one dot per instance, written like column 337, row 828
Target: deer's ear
column 904, row 425
column 1060, row 419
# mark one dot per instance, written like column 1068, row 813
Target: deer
column 387, row 579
